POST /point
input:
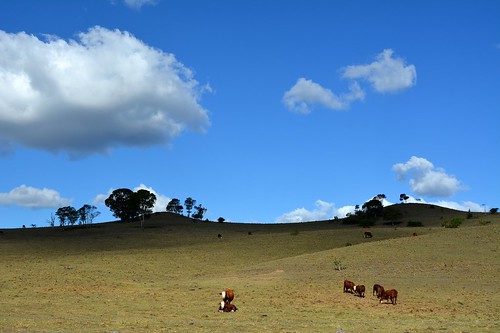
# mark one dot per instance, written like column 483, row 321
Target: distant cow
column 227, row 295
column 227, row 307
column 219, row 236
column 348, row 286
column 414, row 234
column 389, row 295
column 368, row 234
column 378, row 290
column 360, row 290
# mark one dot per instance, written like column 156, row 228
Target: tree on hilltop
column 189, row 203
column 174, row 206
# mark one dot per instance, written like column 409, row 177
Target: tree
column 493, row 210
column 373, row 207
column 174, row 206
column 403, row 197
column 146, row 201
column 67, row 215
column 121, row 203
column 189, row 203
column 221, row 220
column 200, row 210
column 87, row 214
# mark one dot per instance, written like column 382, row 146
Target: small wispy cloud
column 385, row 74
column 137, row 4
column 306, row 94
column 31, row 197
column 425, row 179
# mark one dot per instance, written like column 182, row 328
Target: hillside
column 115, row 277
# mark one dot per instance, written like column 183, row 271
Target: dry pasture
column 118, row 278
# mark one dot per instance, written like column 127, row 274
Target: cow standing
column 348, row 286
column 377, row 290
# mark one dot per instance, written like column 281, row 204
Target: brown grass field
column 115, row 277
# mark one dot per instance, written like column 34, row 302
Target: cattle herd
column 390, row 295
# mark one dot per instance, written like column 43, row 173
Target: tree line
column 127, row 206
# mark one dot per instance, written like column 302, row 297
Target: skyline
column 260, row 112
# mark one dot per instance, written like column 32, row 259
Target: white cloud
column 386, row 74
column 306, row 94
column 425, row 179
column 323, row 211
column 31, row 197
column 104, row 90
column 136, row 4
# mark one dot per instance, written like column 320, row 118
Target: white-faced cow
column 227, row 307
column 359, row 290
column 348, row 286
column 389, row 295
column 227, row 295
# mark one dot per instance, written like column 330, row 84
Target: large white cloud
column 425, row 179
column 306, row 94
column 103, row 90
column 386, row 74
column 31, row 197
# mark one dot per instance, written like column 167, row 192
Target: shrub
column 348, row 244
column 294, row 233
column 469, row 215
column 453, row 223
column 414, row 224
column 338, row 265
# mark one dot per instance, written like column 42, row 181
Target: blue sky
column 262, row 111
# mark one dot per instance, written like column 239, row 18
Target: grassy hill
column 116, row 277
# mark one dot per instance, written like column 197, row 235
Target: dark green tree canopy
column 174, row 206
column 189, row 203
column 120, row 202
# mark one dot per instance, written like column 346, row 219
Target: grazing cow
column 219, row 236
column 389, row 295
column 227, row 295
column 249, row 233
column 414, row 234
column 360, row 290
column 348, row 286
column 227, row 307
column 368, row 234
column 378, row 290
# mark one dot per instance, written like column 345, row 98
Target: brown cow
column 227, row 307
column 368, row 234
column 389, row 295
column 348, row 286
column 227, row 295
column 360, row 290
column 378, row 290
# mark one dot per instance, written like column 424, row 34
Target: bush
column 348, row 244
column 338, row 265
column 294, row 233
column 453, row 223
column 414, row 224
column 469, row 215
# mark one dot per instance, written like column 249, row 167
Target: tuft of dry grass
column 118, row 278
